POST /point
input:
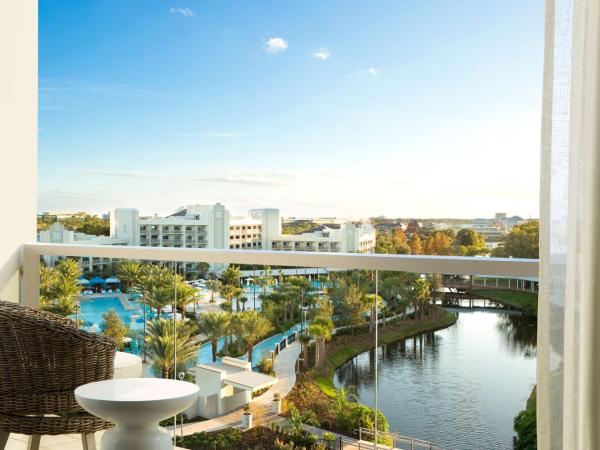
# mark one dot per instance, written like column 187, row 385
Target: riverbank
column 527, row 302
column 342, row 348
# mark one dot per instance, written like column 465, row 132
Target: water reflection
column 459, row 387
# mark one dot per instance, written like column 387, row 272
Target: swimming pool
column 261, row 350
column 91, row 310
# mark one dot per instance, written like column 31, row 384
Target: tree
column 186, row 295
column 420, row 296
column 392, row 242
column 114, row 328
column 303, row 286
column 321, row 328
column 160, row 343
column 468, row 237
column 88, row 224
column 370, row 299
column 522, row 242
column 48, row 278
column 304, row 341
column 251, row 327
column 60, row 289
column 342, row 405
column 213, row 286
column 354, row 306
column 416, row 246
column 214, row 325
column 130, row 272
column 157, row 297
column 266, row 281
column 231, row 292
column 231, row 276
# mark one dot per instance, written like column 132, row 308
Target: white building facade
column 58, row 234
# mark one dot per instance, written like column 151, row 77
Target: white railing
column 400, row 263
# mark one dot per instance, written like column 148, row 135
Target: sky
column 349, row 108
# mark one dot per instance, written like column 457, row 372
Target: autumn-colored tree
column 415, row 244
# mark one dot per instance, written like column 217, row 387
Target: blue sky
column 344, row 107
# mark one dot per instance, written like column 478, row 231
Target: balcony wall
column 18, row 138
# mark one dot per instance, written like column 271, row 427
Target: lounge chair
column 43, row 358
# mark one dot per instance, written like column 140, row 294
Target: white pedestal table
column 136, row 406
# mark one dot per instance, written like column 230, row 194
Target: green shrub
column 224, row 439
column 525, row 425
column 363, row 416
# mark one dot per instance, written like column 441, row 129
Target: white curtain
column 568, row 400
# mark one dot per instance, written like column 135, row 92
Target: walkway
column 285, row 371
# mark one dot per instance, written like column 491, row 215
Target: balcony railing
column 403, row 263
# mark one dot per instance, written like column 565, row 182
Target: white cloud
column 372, row 71
column 322, row 53
column 276, row 45
column 186, row 12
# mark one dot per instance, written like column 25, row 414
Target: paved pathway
column 285, row 371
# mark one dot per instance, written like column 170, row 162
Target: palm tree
column 214, row 325
column 230, row 292
column 321, row 328
column 266, row 281
column 304, row 341
column 160, row 297
column 48, row 278
column 130, row 272
column 161, row 345
column 186, row 294
column 69, row 268
column 251, row 327
column 63, row 294
column 213, row 286
column 231, row 276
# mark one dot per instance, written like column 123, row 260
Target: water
column 459, row 387
column 91, row 310
column 261, row 350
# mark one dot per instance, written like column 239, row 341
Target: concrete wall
column 18, row 138
column 125, row 224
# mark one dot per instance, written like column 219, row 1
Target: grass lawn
column 343, row 348
column 524, row 301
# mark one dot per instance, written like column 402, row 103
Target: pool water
column 260, row 351
column 91, row 310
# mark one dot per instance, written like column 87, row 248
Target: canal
column 459, row 387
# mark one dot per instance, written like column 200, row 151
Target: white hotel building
column 211, row 226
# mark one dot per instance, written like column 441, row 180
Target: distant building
column 58, row 234
column 389, row 225
column 211, row 226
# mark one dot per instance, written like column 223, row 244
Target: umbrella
column 112, row 280
column 82, row 281
column 96, row 280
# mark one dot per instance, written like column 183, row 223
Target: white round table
column 135, row 406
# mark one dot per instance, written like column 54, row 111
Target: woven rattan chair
column 43, row 358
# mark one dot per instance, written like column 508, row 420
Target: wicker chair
column 43, row 358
